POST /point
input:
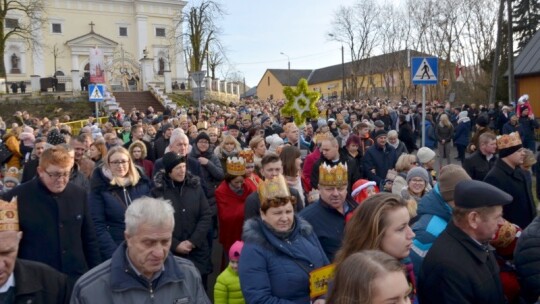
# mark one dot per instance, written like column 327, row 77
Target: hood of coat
column 253, row 231
column 101, row 179
column 162, row 180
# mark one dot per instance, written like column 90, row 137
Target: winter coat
column 13, row 145
column 146, row 165
column 57, row 228
column 192, row 216
column 380, row 160
column 227, row 289
column 459, row 270
column 230, row 208
column 433, row 215
column 431, row 135
column 108, row 205
column 160, row 145
column 275, row 270
column 30, row 170
column 400, row 149
column 41, row 284
column 462, row 133
column 526, row 128
column 510, row 128
column 514, row 182
column 328, row 224
column 212, row 173
column 115, row 281
column 406, row 136
column 310, row 160
column 527, row 261
column 446, row 133
column 477, row 165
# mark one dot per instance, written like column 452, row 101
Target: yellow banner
column 318, row 280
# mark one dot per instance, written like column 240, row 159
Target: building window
column 268, row 80
column 160, row 32
column 12, row 23
column 57, row 28
column 122, row 31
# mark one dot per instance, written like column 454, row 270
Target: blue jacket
column 433, row 216
column 527, row 261
column 380, row 160
column 108, row 205
column 431, row 136
column 274, row 270
column 462, row 133
column 509, row 128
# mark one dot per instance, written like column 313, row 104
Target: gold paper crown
column 9, row 216
column 246, row 116
column 183, row 118
column 319, row 137
column 273, row 188
column 507, row 141
column 202, row 125
column 236, row 166
column 333, row 176
column 247, row 155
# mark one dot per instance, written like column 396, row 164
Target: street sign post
column 96, row 93
column 424, row 71
column 198, row 92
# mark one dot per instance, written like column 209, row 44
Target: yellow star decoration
column 300, row 103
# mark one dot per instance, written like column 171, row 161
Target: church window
column 57, row 28
column 122, row 31
column 160, row 32
column 12, row 23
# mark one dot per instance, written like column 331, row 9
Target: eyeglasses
column 58, row 175
column 119, row 162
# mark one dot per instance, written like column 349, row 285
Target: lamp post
column 288, row 68
column 342, row 68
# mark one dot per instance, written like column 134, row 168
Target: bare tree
column 202, row 31
column 25, row 28
column 215, row 59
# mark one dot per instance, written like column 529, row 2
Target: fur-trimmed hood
column 255, row 231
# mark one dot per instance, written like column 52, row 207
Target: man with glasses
column 54, row 217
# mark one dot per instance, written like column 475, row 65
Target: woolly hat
column 425, row 154
column 359, row 189
column 463, row 114
column 380, row 133
column 126, row 124
column 448, row 178
column 171, row 160
column 202, row 135
column 418, row 172
column 55, row 138
column 482, row 121
column 274, row 141
column 236, row 250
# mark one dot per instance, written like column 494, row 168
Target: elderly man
column 179, row 144
column 509, row 177
column 327, row 216
column 482, row 160
column 461, row 267
column 23, row 281
column 379, row 159
column 54, row 217
column 141, row 269
column 330, row 155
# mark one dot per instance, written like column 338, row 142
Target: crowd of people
column 127, row 211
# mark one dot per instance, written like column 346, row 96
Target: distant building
column 527, row 72
column 383, row 75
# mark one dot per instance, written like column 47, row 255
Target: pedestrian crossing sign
column 424, row 70
column 97, row 92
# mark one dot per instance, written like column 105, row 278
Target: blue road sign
column 424, row 70
column 96, row 92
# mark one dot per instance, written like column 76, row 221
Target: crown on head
column 248, row 155
column 246, row 116
column 508, row 140
column 9, row 216
column 236, row 166
column 273, row 188
column 202, row 125
column 334, row 176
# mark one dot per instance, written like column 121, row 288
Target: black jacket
column 477, row 165
column 160, row 144
column 527, row 261
column 406, row 136
column 469, row 274
column 192, row 216
column 30, row 170
column 38, row 283
column 380, row 160
column 57, row 228
column 513, row 181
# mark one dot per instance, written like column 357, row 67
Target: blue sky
column 256, row 32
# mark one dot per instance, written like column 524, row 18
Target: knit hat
column 380, row 133
column 274, row 141
column 463, row 114
column 236, row 250
column 55, row 138
column 202, row 135
column 126, row 124
column 418, row 172
column 425, row 154
column 482, row 121
column 448, row 178
column 171, row 160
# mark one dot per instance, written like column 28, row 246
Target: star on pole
column 301, row 103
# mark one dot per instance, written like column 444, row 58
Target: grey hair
column 148, row 210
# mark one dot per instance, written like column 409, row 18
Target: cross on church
column 91, row 26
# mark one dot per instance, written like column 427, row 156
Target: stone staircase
column 139, row 100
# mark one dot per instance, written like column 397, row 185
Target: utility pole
column 288, row 68
column 495, row 68
column 511, row 89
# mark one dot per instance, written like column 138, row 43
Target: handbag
column 5, row 154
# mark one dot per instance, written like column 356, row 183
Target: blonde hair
column 444, row 121
column 228, row 139
column 403, row 163
column 133, row 175
column 529, row 160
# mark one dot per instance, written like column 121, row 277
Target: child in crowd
column 227, row 289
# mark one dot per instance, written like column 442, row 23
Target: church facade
column 124, row 30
